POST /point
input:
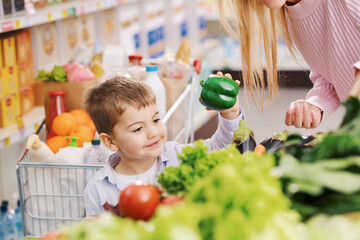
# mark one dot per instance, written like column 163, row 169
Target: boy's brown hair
column 107, row 101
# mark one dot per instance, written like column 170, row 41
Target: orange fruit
column 83, row 133
column 90, row 124
column 81, row 116
column 64, row 123
column 57, row 142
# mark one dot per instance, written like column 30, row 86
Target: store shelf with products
column 57, row 12
column 30, row 121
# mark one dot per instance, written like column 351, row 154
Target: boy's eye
column 138, row 129
column 156, row 120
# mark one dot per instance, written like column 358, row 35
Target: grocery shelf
column 57, row 12
column 31, row 121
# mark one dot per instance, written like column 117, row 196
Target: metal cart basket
column 51, row 195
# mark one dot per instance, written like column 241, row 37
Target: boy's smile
column 139, row 135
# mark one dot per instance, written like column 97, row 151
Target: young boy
column 128, row 122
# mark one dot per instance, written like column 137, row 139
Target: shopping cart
column 51, row 195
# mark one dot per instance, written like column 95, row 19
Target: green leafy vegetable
column 58, row 74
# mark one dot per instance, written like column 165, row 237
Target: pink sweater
column 327, row 34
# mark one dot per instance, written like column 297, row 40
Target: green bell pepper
column 219, row 92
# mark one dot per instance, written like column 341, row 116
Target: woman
column 325, row 32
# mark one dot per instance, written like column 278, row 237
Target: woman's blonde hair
column 256, row 27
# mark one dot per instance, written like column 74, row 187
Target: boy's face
column 139, row 134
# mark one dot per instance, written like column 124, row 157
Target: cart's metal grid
column 51, row 195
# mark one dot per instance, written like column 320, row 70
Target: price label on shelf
column 50, row 17
column 36, row 126
column 7, row 26
column 17, row 24
column 98, row 5
column 65, row 13
column 7, row 142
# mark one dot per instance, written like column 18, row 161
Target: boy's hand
column 302, row 114
column 233, row 112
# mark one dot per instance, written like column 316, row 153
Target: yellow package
column 3, row 82
column 7, row 111
column 12, row 79
column 17, row 103
column 9, row 51
column 22, row 74
column 1, row 56
column 27, row 98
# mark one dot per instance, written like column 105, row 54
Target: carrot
column 260, row 150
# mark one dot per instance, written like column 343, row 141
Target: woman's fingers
column 289, row 117
column 220, row 73
column 306, row 116
column 298, row 116
column 316, row 116
column 228, row 75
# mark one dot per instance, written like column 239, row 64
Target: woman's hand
column 302, row 114
column 233, row 112
column 355, row 90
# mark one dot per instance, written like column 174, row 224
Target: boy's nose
column 152, row 132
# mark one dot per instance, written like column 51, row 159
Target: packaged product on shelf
column 46, row 46
column 22, row 74
column 155, row 28
column 19, row 7
column 10, row 74
column 27, row 98
column 23, row 46
column 17, row 102
column 1, row 53
column 7, row 111
column 68, row 35
column 6, row 8
column 201, row 22
column 9, row 51
column 39, row 3
column 130, row 24
column 106, row 25
column 177, row 25
column 86, row 30
column 3, row 83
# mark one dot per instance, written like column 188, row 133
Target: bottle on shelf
column 7, row 224
column 18, row 221
column 56, row 105
column 152, row 79
column 95, row 155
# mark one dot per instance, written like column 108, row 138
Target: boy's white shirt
column 106, row 184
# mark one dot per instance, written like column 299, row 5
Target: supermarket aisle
column 272, row 119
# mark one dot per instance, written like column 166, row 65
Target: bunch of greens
column 233, row 197
column 326, row 177
column 195, row 163
column 241, row 200
column 57, row 74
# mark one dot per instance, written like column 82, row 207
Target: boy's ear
column 108, row 142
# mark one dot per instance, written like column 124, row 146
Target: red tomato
column 172, row 199
column 139, row 201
